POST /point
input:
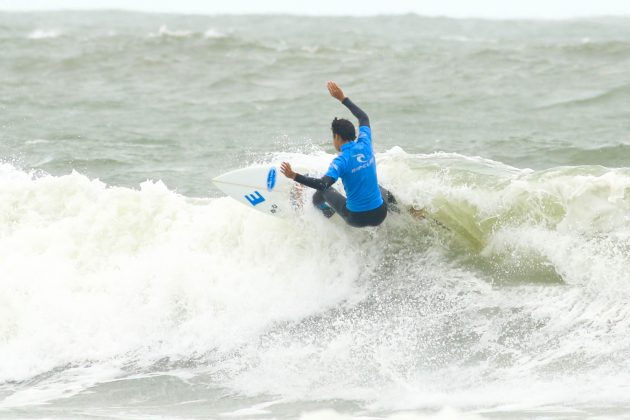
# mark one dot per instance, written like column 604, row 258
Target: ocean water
column 131, row 288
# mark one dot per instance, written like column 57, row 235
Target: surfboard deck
column 266, row 189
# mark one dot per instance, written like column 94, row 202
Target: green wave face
column 514, row 225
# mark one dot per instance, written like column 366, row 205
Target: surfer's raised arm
column 337, row 93
column 366, row 202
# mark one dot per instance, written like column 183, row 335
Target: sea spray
column 143, row 279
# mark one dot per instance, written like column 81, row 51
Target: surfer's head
column 343, row 131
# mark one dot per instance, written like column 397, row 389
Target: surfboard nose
column 262, row 188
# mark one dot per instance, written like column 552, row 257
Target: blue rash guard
column 356, row 166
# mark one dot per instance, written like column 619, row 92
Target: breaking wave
column 517, row 278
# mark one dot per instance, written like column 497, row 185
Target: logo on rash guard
column 365, row 165
column 360, row 157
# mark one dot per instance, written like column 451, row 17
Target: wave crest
column 44, row 34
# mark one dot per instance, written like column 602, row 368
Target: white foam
column 118, row 276
column 165, row 32
column 70, row 383
column 447, row 413
column 44, row 34
column 91, row 272
column 37, row 141
column 213, row 34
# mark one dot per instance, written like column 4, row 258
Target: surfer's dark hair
column 344, row 128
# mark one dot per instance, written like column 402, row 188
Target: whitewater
column 130, row 288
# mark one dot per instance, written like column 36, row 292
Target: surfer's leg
column 333, row 200
column 337, row 201
column 320, row 202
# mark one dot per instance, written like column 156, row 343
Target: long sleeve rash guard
column 323, row 183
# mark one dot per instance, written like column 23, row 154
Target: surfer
column 367, row 201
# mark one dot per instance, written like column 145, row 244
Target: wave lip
column 165, row 32
column 213, row 33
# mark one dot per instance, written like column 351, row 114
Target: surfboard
column 265, row 189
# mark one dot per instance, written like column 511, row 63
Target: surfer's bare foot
column 417, row 213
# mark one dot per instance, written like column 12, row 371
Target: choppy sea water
column 131, row 288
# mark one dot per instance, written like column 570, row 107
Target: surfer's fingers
column 335, row 91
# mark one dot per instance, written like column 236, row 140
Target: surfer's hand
column 285, row 168
column 335, row 91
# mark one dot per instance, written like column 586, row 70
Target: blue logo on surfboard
column 271, row 179
column 255, row 198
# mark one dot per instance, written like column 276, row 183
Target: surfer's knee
column 318, row 198
column 392, row 204
column 390, row 198
column 387, row 195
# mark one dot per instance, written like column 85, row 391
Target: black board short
column 337, row 202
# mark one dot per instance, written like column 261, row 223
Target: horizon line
column 321, row 15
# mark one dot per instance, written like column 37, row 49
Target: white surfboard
column 266, row 189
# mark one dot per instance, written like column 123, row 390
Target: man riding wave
column 367, row 202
